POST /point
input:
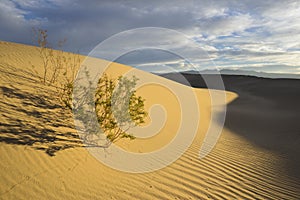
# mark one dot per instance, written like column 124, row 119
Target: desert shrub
column 118, row 107
column 65, row 90
column 51, row 60
column 59, row 68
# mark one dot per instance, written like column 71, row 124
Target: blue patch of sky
column 29, row 12
column 29, row 16
column 226, row 46
column 234, row 12
column 259, row 30
column 26, row 13
column 196, row 39
column 253, row 29
column 205, row 36
column 18, row 6
column 224, row 37
column 293, row 49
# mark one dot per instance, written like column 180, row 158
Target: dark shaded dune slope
column 266, row 113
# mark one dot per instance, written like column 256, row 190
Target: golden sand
column 31, row 125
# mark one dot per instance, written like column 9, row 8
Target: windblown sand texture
column 43, row 158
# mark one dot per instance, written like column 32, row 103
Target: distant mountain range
column 245, row 73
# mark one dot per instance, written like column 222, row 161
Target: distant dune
column 246, row 73
column 42, row 156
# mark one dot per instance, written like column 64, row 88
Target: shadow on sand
column 31, row 116
column 266, row 113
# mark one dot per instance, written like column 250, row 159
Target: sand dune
column 43, row 158
column 266, row 113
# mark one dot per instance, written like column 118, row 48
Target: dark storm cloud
column 85, row 23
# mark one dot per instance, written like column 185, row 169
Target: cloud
column 225, row 25
column 230, row 31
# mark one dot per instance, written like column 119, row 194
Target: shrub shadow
column 31, row 114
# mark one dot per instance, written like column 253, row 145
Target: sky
column 251, row 35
